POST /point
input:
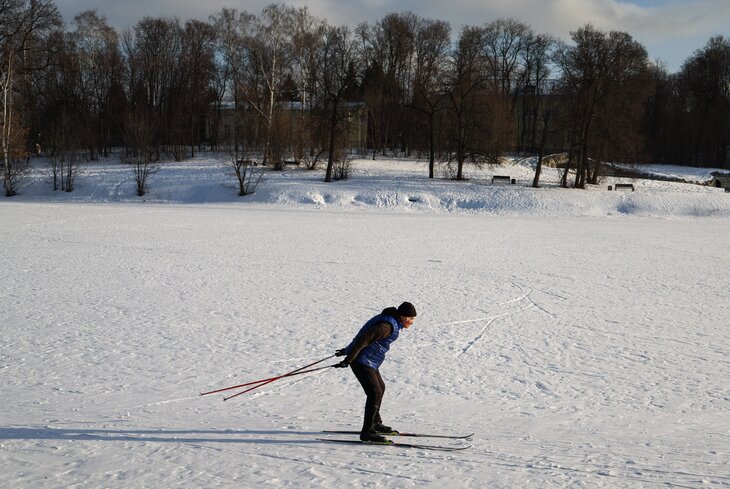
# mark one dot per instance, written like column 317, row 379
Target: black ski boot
column 372, row 437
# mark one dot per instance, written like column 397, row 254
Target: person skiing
column 365, row 354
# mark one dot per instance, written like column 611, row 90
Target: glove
column 340, row 353
column 342, row 364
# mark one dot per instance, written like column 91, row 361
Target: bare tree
column 547, row 123
column 232, row 27
column 70, row 157
column 503, row 45
column 100, row 71
column 607, row 79
column 152, row 54
column 620, row 133
column 388, row 48
column 247, row 174
column 67, row 115
column 339, row 73
column 536, row 55
column 535, row 116
column 69, row 110
column 665, row 131
column 468, row 108
column 140, row 150
column 431, row 54
column 307, row 41
column 198, row 78
column 703, row 84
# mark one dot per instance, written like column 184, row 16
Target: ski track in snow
column 525, row 296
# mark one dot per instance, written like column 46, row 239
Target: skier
column 366, row 353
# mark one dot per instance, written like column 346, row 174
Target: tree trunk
column 332, row 145
column 541, row 154
column 431, row 146
column 5, row 137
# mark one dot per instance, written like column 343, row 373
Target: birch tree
column 266, row 67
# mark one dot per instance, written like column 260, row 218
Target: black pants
column 374, row 387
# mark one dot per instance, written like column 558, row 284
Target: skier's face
column 406, row 322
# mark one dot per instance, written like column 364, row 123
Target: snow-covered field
column 581, row 335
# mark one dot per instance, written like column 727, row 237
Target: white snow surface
column 582, row 335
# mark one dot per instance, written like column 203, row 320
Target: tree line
column 284, row 84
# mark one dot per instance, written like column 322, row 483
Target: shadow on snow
column 158, row 436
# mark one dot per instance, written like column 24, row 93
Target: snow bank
column 394, row 185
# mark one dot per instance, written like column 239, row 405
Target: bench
column 503, row 179
column 627, row 186
column 722, row 181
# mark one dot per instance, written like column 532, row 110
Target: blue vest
column 373, row 355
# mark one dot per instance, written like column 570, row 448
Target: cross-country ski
column 397, row 444
column 403, row 433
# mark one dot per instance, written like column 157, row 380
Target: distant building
column 223, row 128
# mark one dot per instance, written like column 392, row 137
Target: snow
column 580, row 334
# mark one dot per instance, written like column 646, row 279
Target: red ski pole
column 271, row 379
column 290, row 374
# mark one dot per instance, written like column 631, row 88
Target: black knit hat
column 407, row 310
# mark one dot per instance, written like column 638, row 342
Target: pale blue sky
column 671, row 30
